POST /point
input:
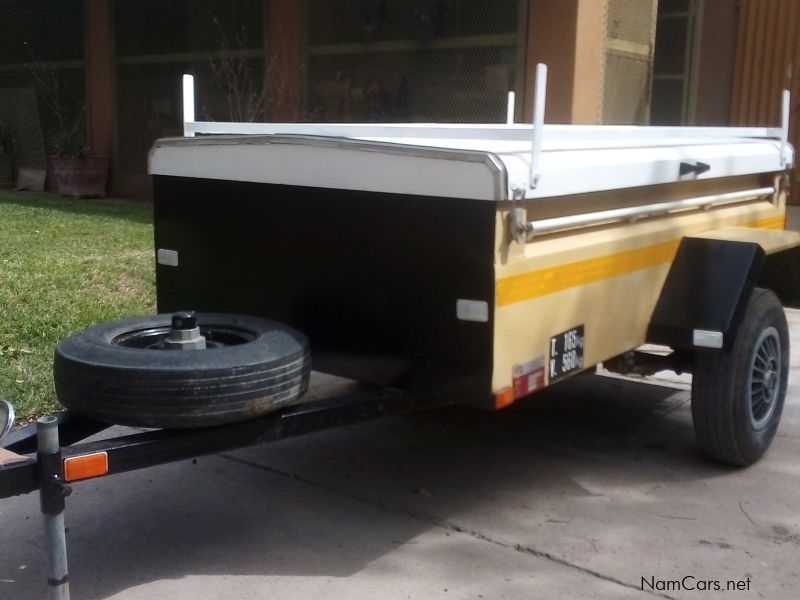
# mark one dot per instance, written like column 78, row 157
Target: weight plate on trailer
column 566, row 353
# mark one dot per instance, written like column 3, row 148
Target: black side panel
column 372, row 279
column 781, row 274
column 708, row 287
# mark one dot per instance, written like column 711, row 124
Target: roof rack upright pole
column 786, row 109
column 510, row 106
column 188, row 105
column 539, row 97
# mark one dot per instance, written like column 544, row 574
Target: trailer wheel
column 738, row 396
column 125, row 373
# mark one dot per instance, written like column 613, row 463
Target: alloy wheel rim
column 154, row 338
column 764, row 380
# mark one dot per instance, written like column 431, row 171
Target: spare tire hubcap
column 184, row 333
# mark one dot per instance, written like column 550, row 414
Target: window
column 156, row 42
column 413, row 60
column 675, row 62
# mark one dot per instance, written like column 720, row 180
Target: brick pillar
column 99, row 76
column 284, row 60
column 568, row 36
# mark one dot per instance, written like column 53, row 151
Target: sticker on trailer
column 528, row 377
column 566, row 353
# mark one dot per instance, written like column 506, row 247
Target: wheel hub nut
column 770, row 380
column 184, row 333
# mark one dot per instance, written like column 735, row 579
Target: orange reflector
column 83, row 467
column 504, row 398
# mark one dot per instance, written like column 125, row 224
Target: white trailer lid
column 483, row 162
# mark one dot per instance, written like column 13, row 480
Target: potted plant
column 8, row 147
column 77, row 172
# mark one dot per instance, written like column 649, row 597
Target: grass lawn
column 64, row 264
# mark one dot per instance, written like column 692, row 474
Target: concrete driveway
column 582, row 492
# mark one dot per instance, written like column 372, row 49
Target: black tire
column 738, row 396
column 116, row 373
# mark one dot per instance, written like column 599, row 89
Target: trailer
column 436, row 264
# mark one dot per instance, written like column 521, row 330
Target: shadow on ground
column 327, row 505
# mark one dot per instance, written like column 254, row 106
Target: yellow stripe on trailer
column 541, row 282
column 771, row 223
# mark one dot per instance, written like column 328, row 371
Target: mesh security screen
column 630, row 34
column 155, row 42
column 413, row 60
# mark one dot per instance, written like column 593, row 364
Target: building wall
column 767, row 62
column 444, row 60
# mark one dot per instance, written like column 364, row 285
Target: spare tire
column 121, row 372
